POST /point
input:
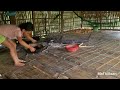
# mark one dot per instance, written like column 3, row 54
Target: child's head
column 28, row 26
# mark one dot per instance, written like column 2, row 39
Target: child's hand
column 34, row 41
column 34, row 44
column 32, row 49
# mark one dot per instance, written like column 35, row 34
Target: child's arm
column 23, row 43
column 29, row 37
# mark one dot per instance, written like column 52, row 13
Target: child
column 9, row 32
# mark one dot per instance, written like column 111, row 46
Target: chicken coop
column 76, row 45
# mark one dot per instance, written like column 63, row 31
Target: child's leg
column 13, row 52
column 14, row 44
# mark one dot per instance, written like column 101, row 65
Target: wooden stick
column 86, row 46
column 80, row 44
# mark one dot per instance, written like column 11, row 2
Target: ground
column 99, row 62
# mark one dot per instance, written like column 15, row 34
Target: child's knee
column 11, row 47
column 2, row 38
column 12, row 43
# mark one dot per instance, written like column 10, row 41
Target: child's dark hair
column 27, row 26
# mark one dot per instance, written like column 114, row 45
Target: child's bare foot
column 20, row 63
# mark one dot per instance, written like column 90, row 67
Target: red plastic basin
column 72, row 48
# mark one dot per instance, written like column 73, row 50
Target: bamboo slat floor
column 99, row 62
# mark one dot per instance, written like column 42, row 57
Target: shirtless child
column 9, row 32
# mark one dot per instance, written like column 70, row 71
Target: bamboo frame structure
column 46, row 22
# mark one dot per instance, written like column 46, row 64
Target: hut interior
column 92, row 37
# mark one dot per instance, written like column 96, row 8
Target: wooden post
column 73, row 21
column 12, row 20
column 45, row 25
column 62, row 21
column 33, row 18
column 59, row 23
column 2, row 17
column 100, row 20
column 110, row 20
column 81, row 23
column 49, row 20
column 81, row 14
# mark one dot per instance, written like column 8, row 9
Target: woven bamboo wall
column 46, row 22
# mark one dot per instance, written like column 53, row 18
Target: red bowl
column 72, row 48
